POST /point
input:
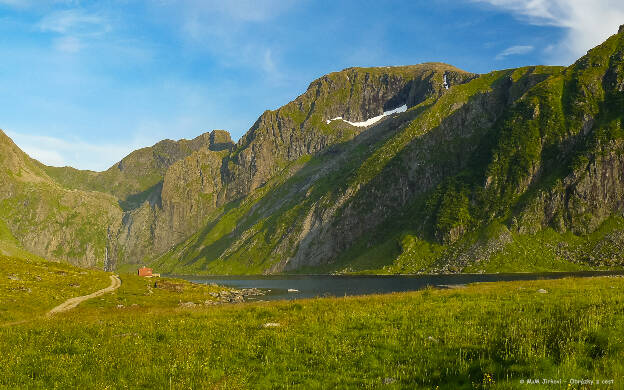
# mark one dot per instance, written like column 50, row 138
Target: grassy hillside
column 39, row 215
column 515, row 170
column 488, row 335
column 138, row 176
column 30, row 286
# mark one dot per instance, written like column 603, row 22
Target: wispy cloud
column 68, row 44
column 77, row 153
column 15, row 3
column 73, row 21
column 587, row 23
column 233, row 32
column 75, row 27
column 514, row 50
column 240, row 10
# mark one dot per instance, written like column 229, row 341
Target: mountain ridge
column 476, row 168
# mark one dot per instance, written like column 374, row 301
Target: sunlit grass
column 488, row 335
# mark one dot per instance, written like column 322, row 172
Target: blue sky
column 83, row 83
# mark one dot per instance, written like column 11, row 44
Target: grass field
column 489, row 335
column 30, row 286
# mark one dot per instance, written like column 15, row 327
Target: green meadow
column 486, row 335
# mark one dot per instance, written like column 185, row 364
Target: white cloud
column 268, row 65
column 12, row 3
column 514, row 50
column 38, row 3
column 239, row 10
column 233, row 32
column 75, row 27
column 587, row 22
column 74, row 21
column 81, row 154
column 68, row 44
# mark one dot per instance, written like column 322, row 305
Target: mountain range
column 423, row 168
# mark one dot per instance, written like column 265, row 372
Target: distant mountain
column 40, row 216
column 423, row 168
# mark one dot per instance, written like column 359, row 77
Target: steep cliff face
column 189, row 190
column 138, row 176
column 305, row 126
column 461, row 181
column 46, row 219
column 101, row 218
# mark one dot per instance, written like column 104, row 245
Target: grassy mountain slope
column 196, row 187
column 138, row 176
column 30, row 286
column 517, row 169
column 42, row 217
column 514, row 170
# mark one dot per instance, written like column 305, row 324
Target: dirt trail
column 73, row 302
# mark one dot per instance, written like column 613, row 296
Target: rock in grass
column 271, row 325
column 542, row 291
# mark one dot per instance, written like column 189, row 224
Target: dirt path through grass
column 73, row 302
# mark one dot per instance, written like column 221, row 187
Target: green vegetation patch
column 489, row 335
column 30, row 287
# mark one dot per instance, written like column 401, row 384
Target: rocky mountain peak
column 220, row 140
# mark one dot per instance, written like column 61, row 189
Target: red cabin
column 144, row 271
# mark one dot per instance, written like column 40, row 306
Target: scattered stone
column 187, row 304
column 13, row 277
column 451, row 286
column 432, row 339
column 236, row 296
column 292, row 290
column 388, row 381
column 271, row 325
column 542, row 291
column 120, row 306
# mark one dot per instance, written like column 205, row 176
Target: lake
column 309, row 286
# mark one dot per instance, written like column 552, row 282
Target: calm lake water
column 309, row 286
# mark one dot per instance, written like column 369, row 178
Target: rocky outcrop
column 301, row 127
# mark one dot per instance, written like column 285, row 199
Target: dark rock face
column 195, row 186
column 190, row 190
column 301, row 128
column 423, row 164
column 220, row 140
